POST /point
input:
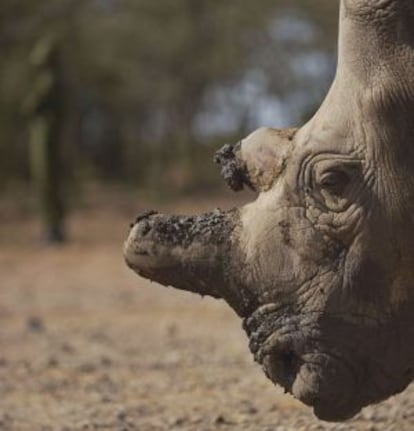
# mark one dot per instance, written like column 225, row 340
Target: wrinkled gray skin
column 321, row 266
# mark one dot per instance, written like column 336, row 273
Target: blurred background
column 109, row 108
column 134, row 96
column 113, row 107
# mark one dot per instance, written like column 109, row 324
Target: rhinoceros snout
column 188, row 252
column 140, row 249
column 159, row 242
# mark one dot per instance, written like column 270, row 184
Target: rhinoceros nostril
column 287, row 358
column 290, row 363
column 283, row 367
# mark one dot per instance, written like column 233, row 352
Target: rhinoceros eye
column 334, row 181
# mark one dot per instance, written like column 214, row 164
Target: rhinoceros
column 320, row 266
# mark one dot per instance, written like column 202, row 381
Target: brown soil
column 87, row 345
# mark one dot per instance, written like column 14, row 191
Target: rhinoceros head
column 321, row 265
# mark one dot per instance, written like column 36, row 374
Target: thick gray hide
column 321, row 266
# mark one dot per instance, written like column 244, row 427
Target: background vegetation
column 140, row 93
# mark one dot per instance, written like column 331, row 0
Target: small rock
column 221, row 420
column 87, row 368
column 52, row 362
column 171, row 331
column 177, row 421
column 67, row 348
column 122, row 415
column 105, row 361
column 250, row 410
column 35, row 324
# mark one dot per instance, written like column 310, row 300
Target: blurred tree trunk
column 46, row 174
column 45, row 106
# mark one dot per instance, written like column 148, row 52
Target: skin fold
column 320, row 266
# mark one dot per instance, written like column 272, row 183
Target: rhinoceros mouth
column 315, row 378
column 295, row 355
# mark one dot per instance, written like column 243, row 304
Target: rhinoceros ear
column 256, row 161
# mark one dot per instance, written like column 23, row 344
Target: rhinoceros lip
column 291, row 355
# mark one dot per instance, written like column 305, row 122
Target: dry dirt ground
column 87, row 345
